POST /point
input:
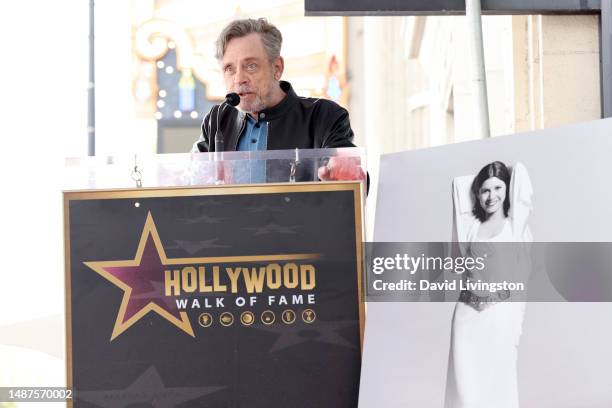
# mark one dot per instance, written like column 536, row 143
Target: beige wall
column 556, row 69
column 412, row 87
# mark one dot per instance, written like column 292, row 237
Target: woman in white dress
column 486, row 326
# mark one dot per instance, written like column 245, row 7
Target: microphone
column 231, row 99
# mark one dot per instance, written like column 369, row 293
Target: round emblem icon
column 288, row 316
column 308, row 316
column 226, row 319
column 268, row 317
column 205, row 320
column 247, row 318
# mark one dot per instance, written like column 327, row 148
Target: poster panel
column 454, row 352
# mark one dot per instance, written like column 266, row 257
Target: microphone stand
column 219, row 147
column 230, row 99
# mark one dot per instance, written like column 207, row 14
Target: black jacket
column 296, row 122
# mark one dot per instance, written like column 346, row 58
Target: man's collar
column 280, row 108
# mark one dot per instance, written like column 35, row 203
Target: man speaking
column 269, row 114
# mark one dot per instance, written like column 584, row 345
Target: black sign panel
column 216, row 297
column 442, row 7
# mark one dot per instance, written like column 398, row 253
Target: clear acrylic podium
column 217, row 168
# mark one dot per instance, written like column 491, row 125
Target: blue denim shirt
column 254, row 138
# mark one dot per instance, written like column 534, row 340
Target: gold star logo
column 141, row 280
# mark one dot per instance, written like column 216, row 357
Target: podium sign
column 232, row 296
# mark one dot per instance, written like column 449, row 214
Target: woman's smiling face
column 491, row 195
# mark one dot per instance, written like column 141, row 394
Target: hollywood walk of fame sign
column 195, row 297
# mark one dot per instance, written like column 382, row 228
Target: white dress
column 482, row 370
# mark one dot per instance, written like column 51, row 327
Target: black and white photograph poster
column 545, row 189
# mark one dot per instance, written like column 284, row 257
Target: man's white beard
column 256, row 106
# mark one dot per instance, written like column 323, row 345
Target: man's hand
column 342, row 168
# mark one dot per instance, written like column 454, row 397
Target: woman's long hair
column 495, row 169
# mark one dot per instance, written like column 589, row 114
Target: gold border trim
column 155, row 192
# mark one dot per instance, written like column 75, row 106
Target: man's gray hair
column 270, row 36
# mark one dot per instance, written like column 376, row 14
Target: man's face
column 248, row 72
